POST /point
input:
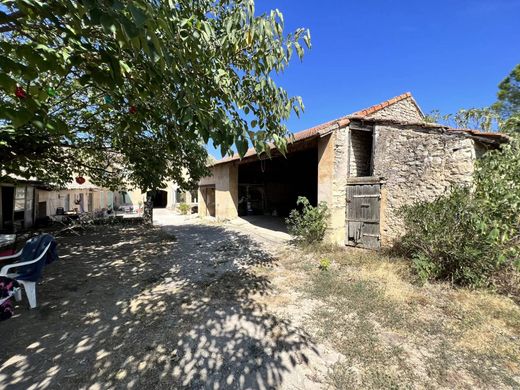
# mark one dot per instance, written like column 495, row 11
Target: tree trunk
column 148, row 211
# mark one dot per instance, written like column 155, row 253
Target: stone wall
column 224, row 180
column 226, row 191
column 417, row 166
column 403, row 111
column 337, row 204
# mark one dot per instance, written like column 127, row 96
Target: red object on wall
column 80, row 180
column 20, row 93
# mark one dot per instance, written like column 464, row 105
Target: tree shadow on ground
column 136, row 307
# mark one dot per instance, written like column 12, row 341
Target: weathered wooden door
column 363, row 215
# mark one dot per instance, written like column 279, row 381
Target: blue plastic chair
column 29, row 263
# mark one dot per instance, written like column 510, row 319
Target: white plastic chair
column 28, row 286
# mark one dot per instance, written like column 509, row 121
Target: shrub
column 445, row 242
column 471, row 234
column 185, row 208
column 497, row 192
column 325, row 264
column 308, row 224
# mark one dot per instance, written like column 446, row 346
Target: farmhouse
column 365, row 166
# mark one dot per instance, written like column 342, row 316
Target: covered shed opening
column 159, row 198
column 271, row 186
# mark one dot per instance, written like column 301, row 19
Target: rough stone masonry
column 417, row 166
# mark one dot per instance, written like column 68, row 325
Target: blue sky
column 450, row 54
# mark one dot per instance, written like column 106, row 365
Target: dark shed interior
column 159, row 198
column 272, row 186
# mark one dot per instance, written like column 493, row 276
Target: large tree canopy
column 131, row 90
column 508, row 104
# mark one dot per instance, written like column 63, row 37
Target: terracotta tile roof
column 327, row 126
column 499, row 137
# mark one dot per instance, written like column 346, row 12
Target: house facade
column 24, row 202
column 82, row 198
column 365, row 166
column 88, row 197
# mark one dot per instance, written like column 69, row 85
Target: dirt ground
column 393, row 332
column 203, row 306
column 175, row 307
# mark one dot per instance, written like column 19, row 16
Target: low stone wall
column 417, row 166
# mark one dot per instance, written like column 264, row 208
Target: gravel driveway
column 166, row 307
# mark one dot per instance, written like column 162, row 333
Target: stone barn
column 365, row 166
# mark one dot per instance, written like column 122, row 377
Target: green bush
column 308, row 224
column 185, row 208
column 445, row 240
column 470, row 234
column 325, row 264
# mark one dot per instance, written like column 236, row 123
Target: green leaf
column 307, row 39
column 299, row 50
column 7, row 83
column 138, row 15
column 242, row 146
column 124, row 66
column 108, row 23
column 21, row 117
column 130, row 29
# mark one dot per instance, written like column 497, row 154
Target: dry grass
column 396, row 333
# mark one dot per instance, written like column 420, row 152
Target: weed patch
column 394, row 333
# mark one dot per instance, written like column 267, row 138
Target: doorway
column 363, row 214
column 7, row 208
column 208, row 197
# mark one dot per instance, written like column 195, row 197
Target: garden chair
column 29, row 262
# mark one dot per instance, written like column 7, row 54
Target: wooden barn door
column 363, row 215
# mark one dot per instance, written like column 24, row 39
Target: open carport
column 271, row 186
